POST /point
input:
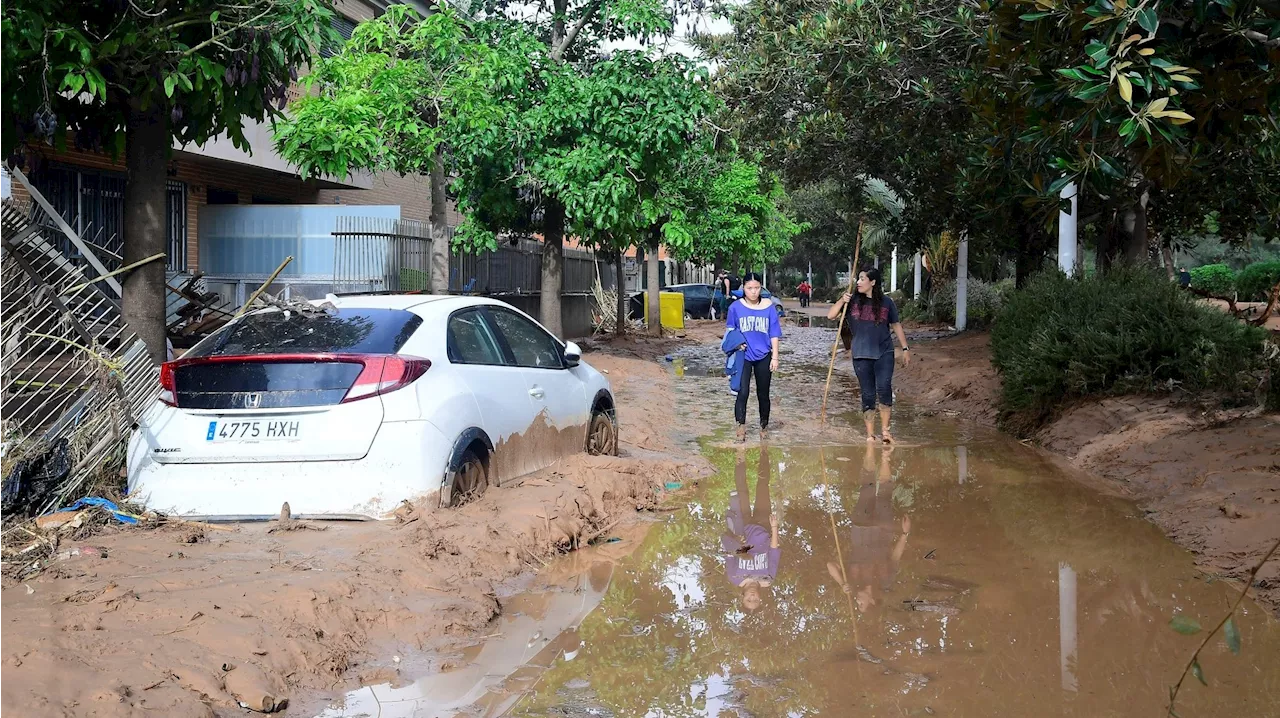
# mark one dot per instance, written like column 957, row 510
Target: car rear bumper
column 407, row 460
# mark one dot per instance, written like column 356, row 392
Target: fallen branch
column 122, row 270
column 264, row 286
column 1261, row 320
column 1195, row 657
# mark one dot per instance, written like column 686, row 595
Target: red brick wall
column 411, row 192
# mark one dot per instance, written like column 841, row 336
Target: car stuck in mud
column 348, row 407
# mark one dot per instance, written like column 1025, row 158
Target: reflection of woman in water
column 751, row 552
column 873, row 553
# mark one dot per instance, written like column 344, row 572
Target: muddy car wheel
column 602, row 435
column 471, row 479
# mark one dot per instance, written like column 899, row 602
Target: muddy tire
column 470, row 480
column 602, row 434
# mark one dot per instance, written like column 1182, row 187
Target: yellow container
column 670, row 308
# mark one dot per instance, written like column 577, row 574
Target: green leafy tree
column 1131, row 100
column 133, row 77
column 376, row 106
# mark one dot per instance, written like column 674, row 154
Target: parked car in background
column 697, row 299
column 346, row 408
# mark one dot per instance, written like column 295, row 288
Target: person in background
column 751, row 552
column 721, row 293
column 1184, row 278
column 757, row 319
column 873, row 320
column 804, row 291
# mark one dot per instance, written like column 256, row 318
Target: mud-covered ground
column 193, row 620
column 1212, row 483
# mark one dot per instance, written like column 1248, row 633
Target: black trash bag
column 34, row 480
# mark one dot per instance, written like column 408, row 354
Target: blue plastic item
column 115, row 511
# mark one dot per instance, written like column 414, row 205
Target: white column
column 893, row 270
column 962, row 283
column 1067, row 232
column 1067, row 648
column 919, row 269
column 962, row 462
column 810, row 273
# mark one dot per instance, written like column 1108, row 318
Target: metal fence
column 373, row 254
column 72, row 370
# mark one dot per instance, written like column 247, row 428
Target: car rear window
column 340, row 331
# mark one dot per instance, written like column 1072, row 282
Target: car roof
column 444, row 302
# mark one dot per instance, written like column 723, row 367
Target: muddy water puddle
column 939, row 580
column 966, row 579
column 960, row 574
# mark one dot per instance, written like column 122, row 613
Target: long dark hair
column 877, row 293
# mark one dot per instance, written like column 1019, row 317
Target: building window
column 344, row 27
column 92, row 202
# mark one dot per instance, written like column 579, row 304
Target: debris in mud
column 948, row 584
column 1232, row 511
column 939, row 607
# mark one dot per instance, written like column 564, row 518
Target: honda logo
column 248, row 400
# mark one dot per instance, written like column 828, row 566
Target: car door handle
column 537, row 393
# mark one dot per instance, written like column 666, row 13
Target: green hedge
column 1216, row 279
column 1256, row 280
column 1062, row 340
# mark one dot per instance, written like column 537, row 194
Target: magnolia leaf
column 1149, row 21
column 1146, row 52
column 169, row 82
column 1126, row 127
column 1185, row 625
column 1126, row 88
column 1178, row 117
column 1231, row 634
column 1033, row 16
column 1198, row 672
column 1157, row 105
column 1181, row 78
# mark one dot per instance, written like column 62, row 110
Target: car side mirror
column 572, row 354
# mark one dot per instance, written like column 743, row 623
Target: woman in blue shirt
column 873, row 317
column 757, row 319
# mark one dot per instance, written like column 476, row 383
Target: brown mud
column 1210, row 482
column 191, row 621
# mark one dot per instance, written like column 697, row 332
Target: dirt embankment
column 1212, row 485
column 191, row 620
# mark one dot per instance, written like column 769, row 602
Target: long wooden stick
column 853, row 279
column 264, row 286
column 853, row 616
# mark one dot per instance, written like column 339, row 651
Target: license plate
column 268, row 430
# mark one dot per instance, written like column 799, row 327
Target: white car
column 348, row 410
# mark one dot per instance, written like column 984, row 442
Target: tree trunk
column 146, row 151
column 1137, row 249
column 552, row 267
column 623, row 304
column 655, row 291
column 439, row 229
column 1167, row 253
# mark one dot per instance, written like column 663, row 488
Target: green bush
column 1216, row 279
column 984, row 303
column 1061, row 340
column 1256, row 281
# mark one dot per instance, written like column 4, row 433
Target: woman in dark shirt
column 873, row 319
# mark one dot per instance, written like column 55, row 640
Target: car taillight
column 382, row 375
column 168, row 384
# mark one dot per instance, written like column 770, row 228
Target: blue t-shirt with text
column 757, row 325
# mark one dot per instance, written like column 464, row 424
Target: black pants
column 764, row 376
column 804, row 300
